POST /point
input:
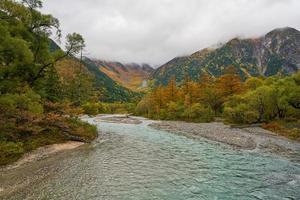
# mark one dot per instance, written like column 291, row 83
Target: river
column 137, row 162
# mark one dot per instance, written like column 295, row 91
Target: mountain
column 111, row 90
column 131, row 76
column 53, row 46
column 276, row 52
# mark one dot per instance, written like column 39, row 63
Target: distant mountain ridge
column 131, row 75
column 276, row 52
column 111, row 90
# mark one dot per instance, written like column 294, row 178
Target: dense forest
column 274, row 101
column 40, row 90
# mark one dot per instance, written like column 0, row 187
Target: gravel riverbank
column 121, row 118
column 27, row 170
column 249, row 138
column 43, row 152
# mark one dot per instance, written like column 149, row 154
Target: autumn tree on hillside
column 205, row 79
column 171, row 91
column 230, row 83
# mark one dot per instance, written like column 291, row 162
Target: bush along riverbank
column 39, row 98
column 26, row 123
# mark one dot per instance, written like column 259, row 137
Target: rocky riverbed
column 160, row 160
column 249, row 138
column 121, row 118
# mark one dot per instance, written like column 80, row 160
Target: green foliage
column 82, row 129
column 174, row 110
column 198, row 113
column 274, row 98
column 92, row 108
column 253, row 83
column 29, row 101
column 241, row 114
column 74, row 44
column 33, row 108
column 256, row 100
column 10, row 152
column 25, row 54
column 108, row 108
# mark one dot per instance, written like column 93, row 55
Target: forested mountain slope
column 276, row 52
column 110, row 90
column 107, row 90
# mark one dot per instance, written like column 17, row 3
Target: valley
column 76, row 123
column 132, row 76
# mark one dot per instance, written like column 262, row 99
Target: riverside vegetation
column 273, row 101
column 38, row 105
column 43, row 89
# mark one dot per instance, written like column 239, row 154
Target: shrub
column 10, row 152
column 174, row 110
column 284, row 128
column 30, row 101
column 82, row 129
column 198, row 112
column 91, row 108
column 63, row 108
column 272, row 126
column 241, row 114
column 27, row 101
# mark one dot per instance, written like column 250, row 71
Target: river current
column 137, row 162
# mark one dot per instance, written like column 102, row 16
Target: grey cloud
column 155, row 31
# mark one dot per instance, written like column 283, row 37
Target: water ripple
column 136, row 162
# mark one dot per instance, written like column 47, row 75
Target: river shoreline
column 131, row 159
column 248, row 138
column 42, row 153
column 30, row 159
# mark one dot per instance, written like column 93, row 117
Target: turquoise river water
column 136, row 162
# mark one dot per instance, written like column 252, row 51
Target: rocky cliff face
column 276, row 52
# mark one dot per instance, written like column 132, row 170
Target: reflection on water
column 137, row 162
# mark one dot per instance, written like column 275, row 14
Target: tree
column 24, row 46
column 171, row 91
column 294, row 98
column 75, row 44
column 212, row 98
column 205, row 79
column 252, row 83
column 230, row 83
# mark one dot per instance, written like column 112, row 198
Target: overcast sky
column 155, row 31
